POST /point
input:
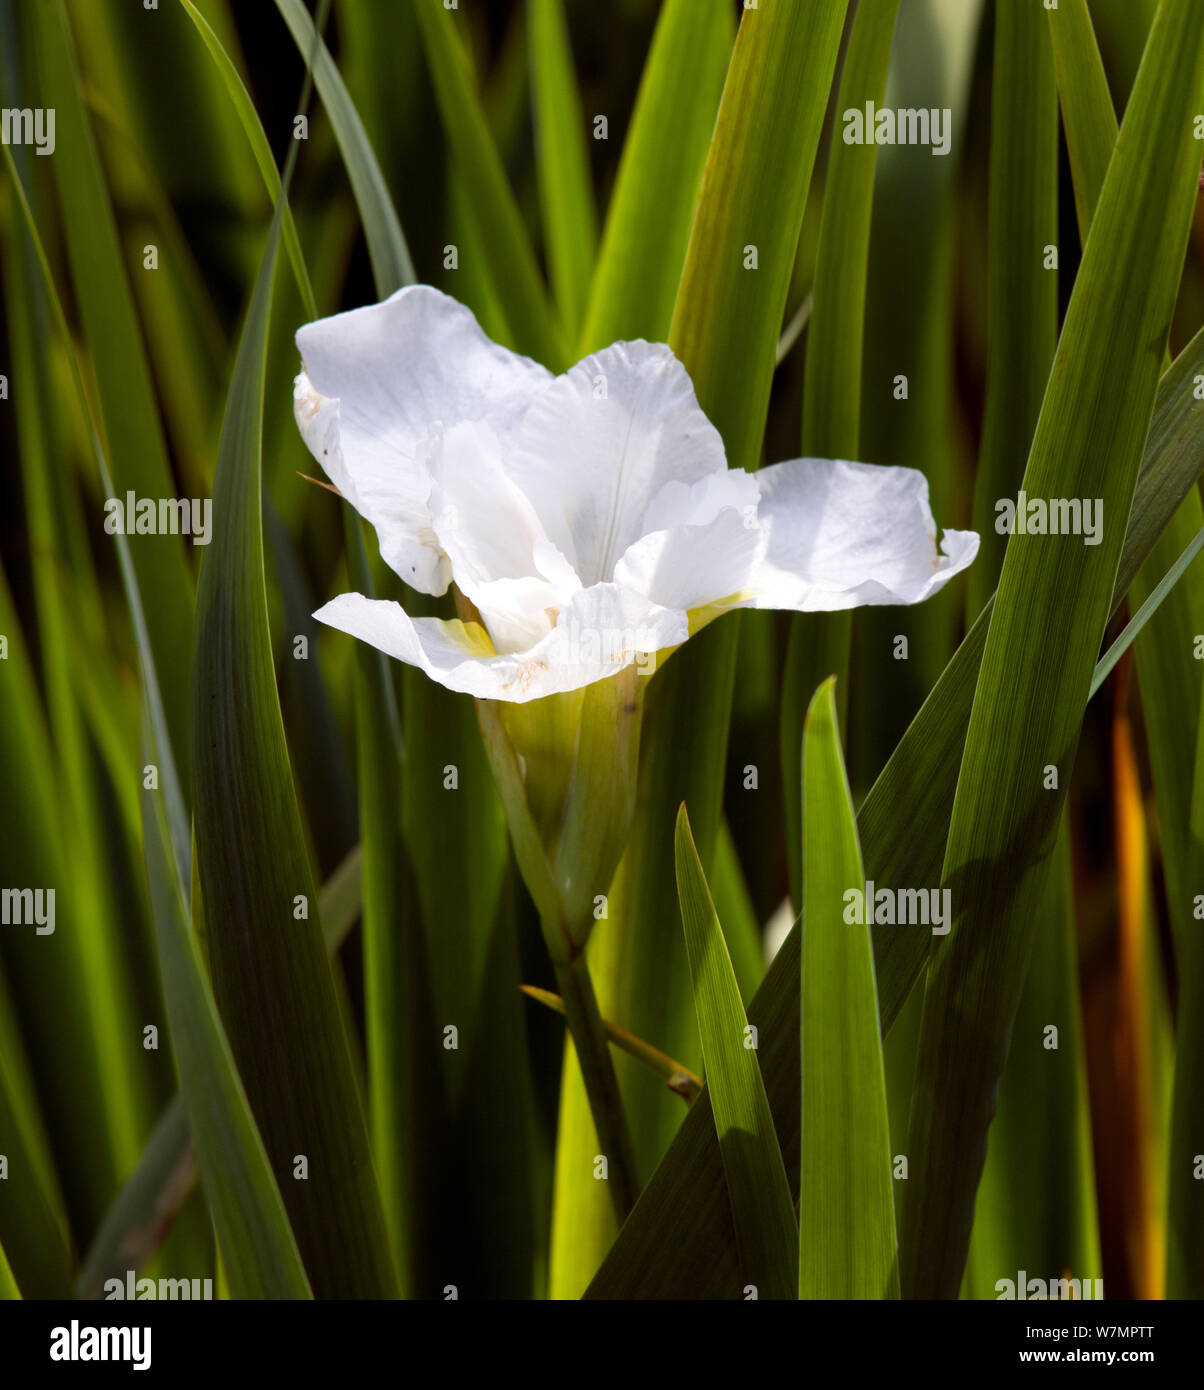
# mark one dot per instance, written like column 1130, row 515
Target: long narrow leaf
column 846, row 1206
column 271, row 976
column 762, row 1207
column 391, row 264
column 1088, row 444
column 566, row 195
column 513, row 269
column 675, row 1245
column 648, row 222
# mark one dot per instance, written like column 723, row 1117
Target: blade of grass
column 735, row 907
column 1087, row 115
column 1123, row 26
column 132, row 426
column 1171, row 687
column 1036, row 1206
column 676, row 1245
column 271, row 977
column 1022, row 294
column 33, row 1219
column 762, row 1207
column 515, row 274
column 248, row 118
column 566, row 194
column 656, row 189
column 8, row 1285
column 1133, row 627
column 754, row 189
column 910, row 332
column 847, row 1246
column 98, row 936
column 387, row 248
column 259, row 1252
column 244, row 1200
column 1025, row 720
column 1050, row 1221
column 819, row 643
column 146, row 1205
column 152, row 1196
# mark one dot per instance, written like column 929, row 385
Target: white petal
column 841, row 535
column 591, row 463
column 500, row 556
column 691, row 567
column 375, row 384
column 599, row 632
column 679, row 504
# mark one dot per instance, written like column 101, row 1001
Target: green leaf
column 725, row 330
column 515, row 273
column 1172, row 689
column 1036, row 1208
column 387, row 250
column 762, row 1207
column 259, row 1253
column 1022, row 293
column 678, row 1241
column 132, row 426
column 819, row 643
column 1087, row 114
column 150, row 1199
column 735, row 907
column 1037, row 1204
column 1052, row 597
column 656, row 189
column 8, row 1285
column 392, row 246
column 754, row 190
column 832, row 385
column 847, row 1243
column 562, row 162
column 93, row 1038
column 33, row 1221
column 911, row 331
column 1147, row 610
column 257, row 1244
column 270, row 973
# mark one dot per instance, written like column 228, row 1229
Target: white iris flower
column 590, row 518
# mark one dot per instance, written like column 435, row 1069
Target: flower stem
column 601, row 1084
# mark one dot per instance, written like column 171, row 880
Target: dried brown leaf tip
column 319, row 482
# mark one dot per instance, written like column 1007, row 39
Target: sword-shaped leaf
column 762, row 1207
column 847, row 1246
